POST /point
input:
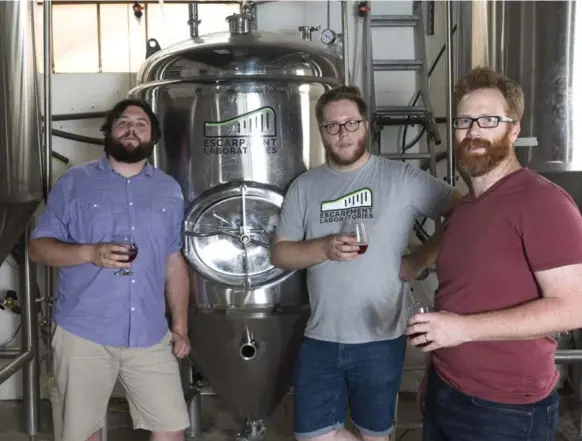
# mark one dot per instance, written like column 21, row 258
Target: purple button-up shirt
column 88, row 205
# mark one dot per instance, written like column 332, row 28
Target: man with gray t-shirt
column 354, row 342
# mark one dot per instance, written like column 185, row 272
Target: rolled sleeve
column 53, row 220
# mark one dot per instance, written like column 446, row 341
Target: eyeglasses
column 485, row 122
column 335, row 128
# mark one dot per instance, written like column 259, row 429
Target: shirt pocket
column 161, row 223
column 96, row 220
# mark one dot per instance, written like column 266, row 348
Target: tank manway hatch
column 227, row 235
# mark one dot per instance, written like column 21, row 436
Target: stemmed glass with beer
column 358, row 231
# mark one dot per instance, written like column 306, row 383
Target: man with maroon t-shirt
column 510, row 277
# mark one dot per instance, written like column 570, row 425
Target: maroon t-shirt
column 491, row 248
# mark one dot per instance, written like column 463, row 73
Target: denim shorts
column 450, row 415
column 328, row 376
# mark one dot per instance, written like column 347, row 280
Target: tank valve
column 306, row 32
column 248, row 348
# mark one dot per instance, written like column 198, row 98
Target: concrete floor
column 218, row 425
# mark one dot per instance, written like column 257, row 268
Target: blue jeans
column 329, row 375
column 450, row 415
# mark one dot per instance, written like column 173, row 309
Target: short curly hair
column 486, row 78
column 350, row 93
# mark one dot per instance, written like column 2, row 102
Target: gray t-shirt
column 362, row 300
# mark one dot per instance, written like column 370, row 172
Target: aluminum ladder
column 420, row 111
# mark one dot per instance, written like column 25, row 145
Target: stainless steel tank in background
column 20, row 123
column 238, row 118
column 538, row 44
column 534, row 43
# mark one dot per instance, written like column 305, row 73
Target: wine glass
column 357, row 230
column 128, row 241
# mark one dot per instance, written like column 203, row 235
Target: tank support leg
column 30, row 342
column 254, row 431
column 193, row 397
column 194, row 403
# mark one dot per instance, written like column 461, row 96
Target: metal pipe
column 29, row 317
column 11, row 368
column 568, row 356
column 193, row 19
column 345, row 50
column 77, row 116
column 79, row 138
column 369, row 89
column 47, row 51
column 48, row 139
column 28, row 358
column 449, row 91
column 9, row 352
column 61, row 158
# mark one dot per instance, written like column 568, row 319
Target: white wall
column 74, row 93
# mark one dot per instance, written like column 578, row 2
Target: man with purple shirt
column 111, row 327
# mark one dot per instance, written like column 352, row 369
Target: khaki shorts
column 86, row 374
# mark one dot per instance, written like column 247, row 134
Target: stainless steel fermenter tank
column 239, row 125
column 20, row 142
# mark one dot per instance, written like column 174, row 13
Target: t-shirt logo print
column 352, row 206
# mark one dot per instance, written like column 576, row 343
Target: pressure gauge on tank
column 227, row 235
column 328, row 36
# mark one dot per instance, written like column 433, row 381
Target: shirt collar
column 104, row 165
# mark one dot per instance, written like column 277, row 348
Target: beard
column 127, row 155
column 479, row 164
column 359, row 151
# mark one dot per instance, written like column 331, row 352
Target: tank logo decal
column 354, row 205
column 235, row 136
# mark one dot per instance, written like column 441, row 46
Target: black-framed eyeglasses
column 485, row 122
column 335, row 128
